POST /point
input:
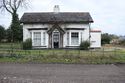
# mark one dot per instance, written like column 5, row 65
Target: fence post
column 115, row 52
column 53, row 51
column 79, row 52
column 39, row 52
column 11, row 48
column 91, row 52
column 103, row 52
column 25, row 52
column 21, row 45
column 66, row 52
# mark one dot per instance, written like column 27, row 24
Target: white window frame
column 68, row 38
column 34, row 38
column 44, row 38
column 73, row 44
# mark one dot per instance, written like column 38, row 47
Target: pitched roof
column 55, row 27
column 51, row 17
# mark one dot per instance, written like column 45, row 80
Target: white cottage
column 59, row 29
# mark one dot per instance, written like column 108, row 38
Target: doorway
column 56, row 38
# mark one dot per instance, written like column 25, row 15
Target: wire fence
column 15, row 51
column 8, row 49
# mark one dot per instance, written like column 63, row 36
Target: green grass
column 100, row 56
column 63, row 56
column 10, row 45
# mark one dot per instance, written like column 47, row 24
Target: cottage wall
column 83, row 33
column 95, row 39
column 29, row 33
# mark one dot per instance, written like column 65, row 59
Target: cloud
column 108, row 15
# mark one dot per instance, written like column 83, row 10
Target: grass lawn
column 100, row 56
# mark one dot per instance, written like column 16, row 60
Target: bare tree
column 12, row 6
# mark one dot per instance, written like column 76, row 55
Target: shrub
column 105, row 38
column 122, row 42
column 84, row 45
column 27, row 45
column 2, row 33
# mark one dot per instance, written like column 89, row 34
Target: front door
column 56, row 38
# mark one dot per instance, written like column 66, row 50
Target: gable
column 56, row 26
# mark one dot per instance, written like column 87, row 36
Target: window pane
column 74, row 34
column 74, row 38
column 37, row 39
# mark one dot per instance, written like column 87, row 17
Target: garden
column 13, row 53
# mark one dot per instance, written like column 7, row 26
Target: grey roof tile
column 51, row 17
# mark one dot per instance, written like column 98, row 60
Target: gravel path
column 61, row 73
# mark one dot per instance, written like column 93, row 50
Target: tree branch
column 14, row 1
column 5, row 6
column 19, row 3
column 10, row 4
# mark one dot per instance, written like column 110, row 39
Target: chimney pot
column 56, row 9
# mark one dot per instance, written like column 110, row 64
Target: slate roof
column 62, row 17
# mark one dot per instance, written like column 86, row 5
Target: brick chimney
column 56, row 9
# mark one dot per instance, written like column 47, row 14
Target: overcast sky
column 108, row 15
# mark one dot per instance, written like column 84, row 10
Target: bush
column 106, row 38
column 2, row 33
column 27, row 45
column 84, row 45
column 122, row 42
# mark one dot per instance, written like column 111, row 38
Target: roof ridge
column 52, row 12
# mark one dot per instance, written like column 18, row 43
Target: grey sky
column 108, row 15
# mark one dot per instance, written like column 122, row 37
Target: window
column 44, row 38
column 37, row 39
column 67, row 38
column 75, row 38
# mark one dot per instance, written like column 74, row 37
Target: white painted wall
column 77, row 25
column 83, row 34
column 37, row 25
column 26, row 32
column 95, row 39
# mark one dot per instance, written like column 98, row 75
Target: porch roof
column 55, row 26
